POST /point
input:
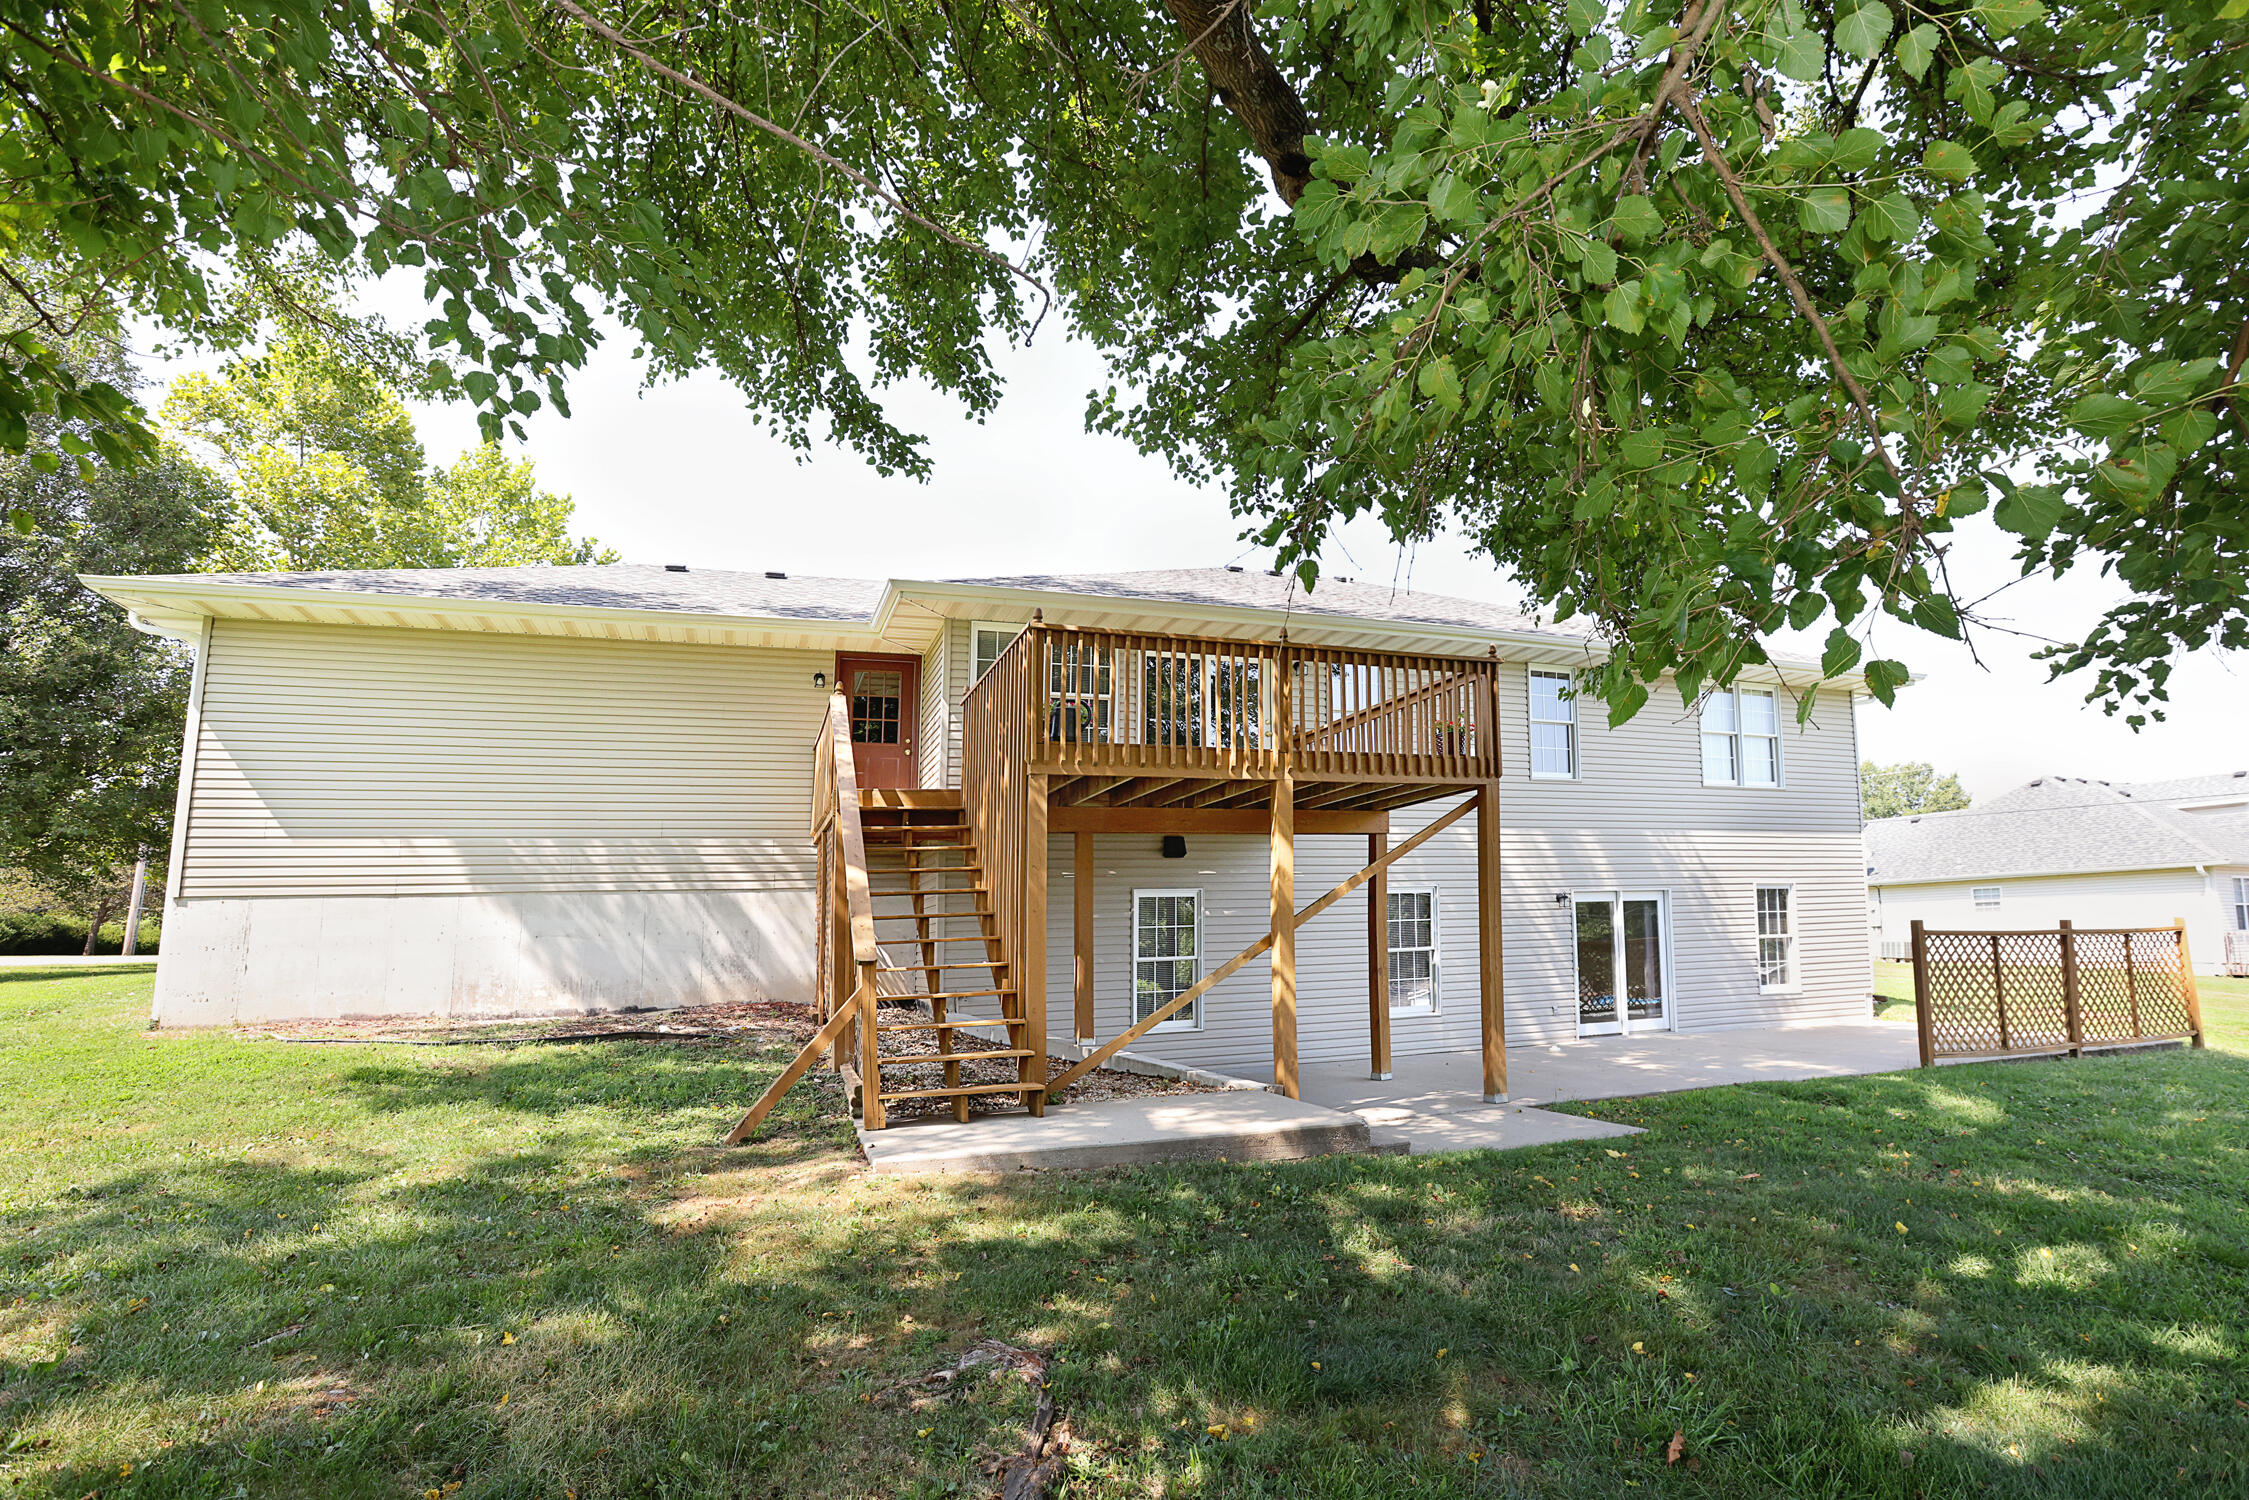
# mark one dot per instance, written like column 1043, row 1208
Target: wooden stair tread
column 956, row 890
column 966, row 1088
column 953, row 1057
column 986, row 938
column 943, row 1025
column 948, row 994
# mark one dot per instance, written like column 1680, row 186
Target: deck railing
column 1009, row 831
column 1088, row 702
column 848, row 959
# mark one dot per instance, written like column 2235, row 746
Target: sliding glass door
column 1623, row 962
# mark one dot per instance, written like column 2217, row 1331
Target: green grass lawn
column 247, row 1268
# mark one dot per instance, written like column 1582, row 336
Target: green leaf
column 1949, row 160
column 1862, row 32
column 1917, row 49
column 2103, row 415
column 1884, row 678
column 1798, row 52
column 1586, row 14
column 1636, row 219
column 1893, row 218
column 1599, row 264
column 1805, row 608
column 1622, row 307
column 1440, row 382
column 22, row 520
column 1825, row 210
column 1937, row 615
column 2006, row 17
column 1841, row 655
column 2032, row 511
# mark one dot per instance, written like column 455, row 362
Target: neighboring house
column 2062, row 848
column 504, row 791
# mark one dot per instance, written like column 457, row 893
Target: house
column 2063, row 848
column 490, row 792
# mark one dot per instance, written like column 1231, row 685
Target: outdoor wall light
column 820, row 679
column 1175, row 846
column 1560, row 897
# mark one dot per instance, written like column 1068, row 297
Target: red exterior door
column 885, row 697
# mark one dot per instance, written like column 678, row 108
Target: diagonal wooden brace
column 797, row 1068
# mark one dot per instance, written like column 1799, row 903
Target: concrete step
column 1240, row 1125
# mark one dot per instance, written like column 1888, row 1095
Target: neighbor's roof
column 2062, row 825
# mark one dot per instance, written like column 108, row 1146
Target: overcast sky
column 681, row 474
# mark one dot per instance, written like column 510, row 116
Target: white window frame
column 2241, row 903
column 1193, row 1021
column 1568, row 704
column 1436, row 950
column 1791, row 980
column 1736, row 736
column 1984, row 897
column 1012, row 628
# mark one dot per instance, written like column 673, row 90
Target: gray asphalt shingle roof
column 712, row 591
column 1249, row 589
column 2061, row 825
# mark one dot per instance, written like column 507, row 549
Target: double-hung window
column 1167, row 954
column 2240, row 904
column 1413, row 949
column 1986, row 897
column 1776, row 938
column 986, row 641
column 1553, row 726
column 1741, row 737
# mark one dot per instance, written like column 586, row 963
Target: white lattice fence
column 2007, row 994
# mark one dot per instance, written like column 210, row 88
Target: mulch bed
column 756, row 1023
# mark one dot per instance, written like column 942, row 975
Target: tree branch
column 617, row 39
column 1250, row 86
column 1796, row 293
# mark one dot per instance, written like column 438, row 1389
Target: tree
column 325, row 470
column 1909, row 787
column 90, row 708
column 1703, row 316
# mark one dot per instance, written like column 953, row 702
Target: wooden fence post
column 2186, row 978
column 2070, row 1016
column 2132, row 987
column 1999, row 994
column 1921, row 995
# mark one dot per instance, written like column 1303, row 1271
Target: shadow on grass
column 2061, row 1314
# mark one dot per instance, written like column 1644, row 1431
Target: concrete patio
column 1433, row 1103
column 1437, row 1103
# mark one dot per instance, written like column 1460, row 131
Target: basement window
column 1413, row 950
column 1167, row 955
column 1986, row 897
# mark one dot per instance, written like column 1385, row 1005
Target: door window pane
column 1596, row 962
column 1166, row 953
column 1643, row 959
column 876, row 699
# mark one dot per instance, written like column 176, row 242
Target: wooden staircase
column 926, row 884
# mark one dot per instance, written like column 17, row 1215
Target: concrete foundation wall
column 230, row 961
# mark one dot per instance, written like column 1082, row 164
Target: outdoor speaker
column 1175, row 846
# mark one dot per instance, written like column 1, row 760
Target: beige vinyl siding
column 341, row 760
column 938, row 735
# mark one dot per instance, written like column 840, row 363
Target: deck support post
column 1378, row 960
column 1081, row 935
column 1030, row 964
column 1492, row 983
column 1284, row 932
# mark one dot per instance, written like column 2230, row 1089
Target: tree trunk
column 94, row 928
column 1219, row 34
